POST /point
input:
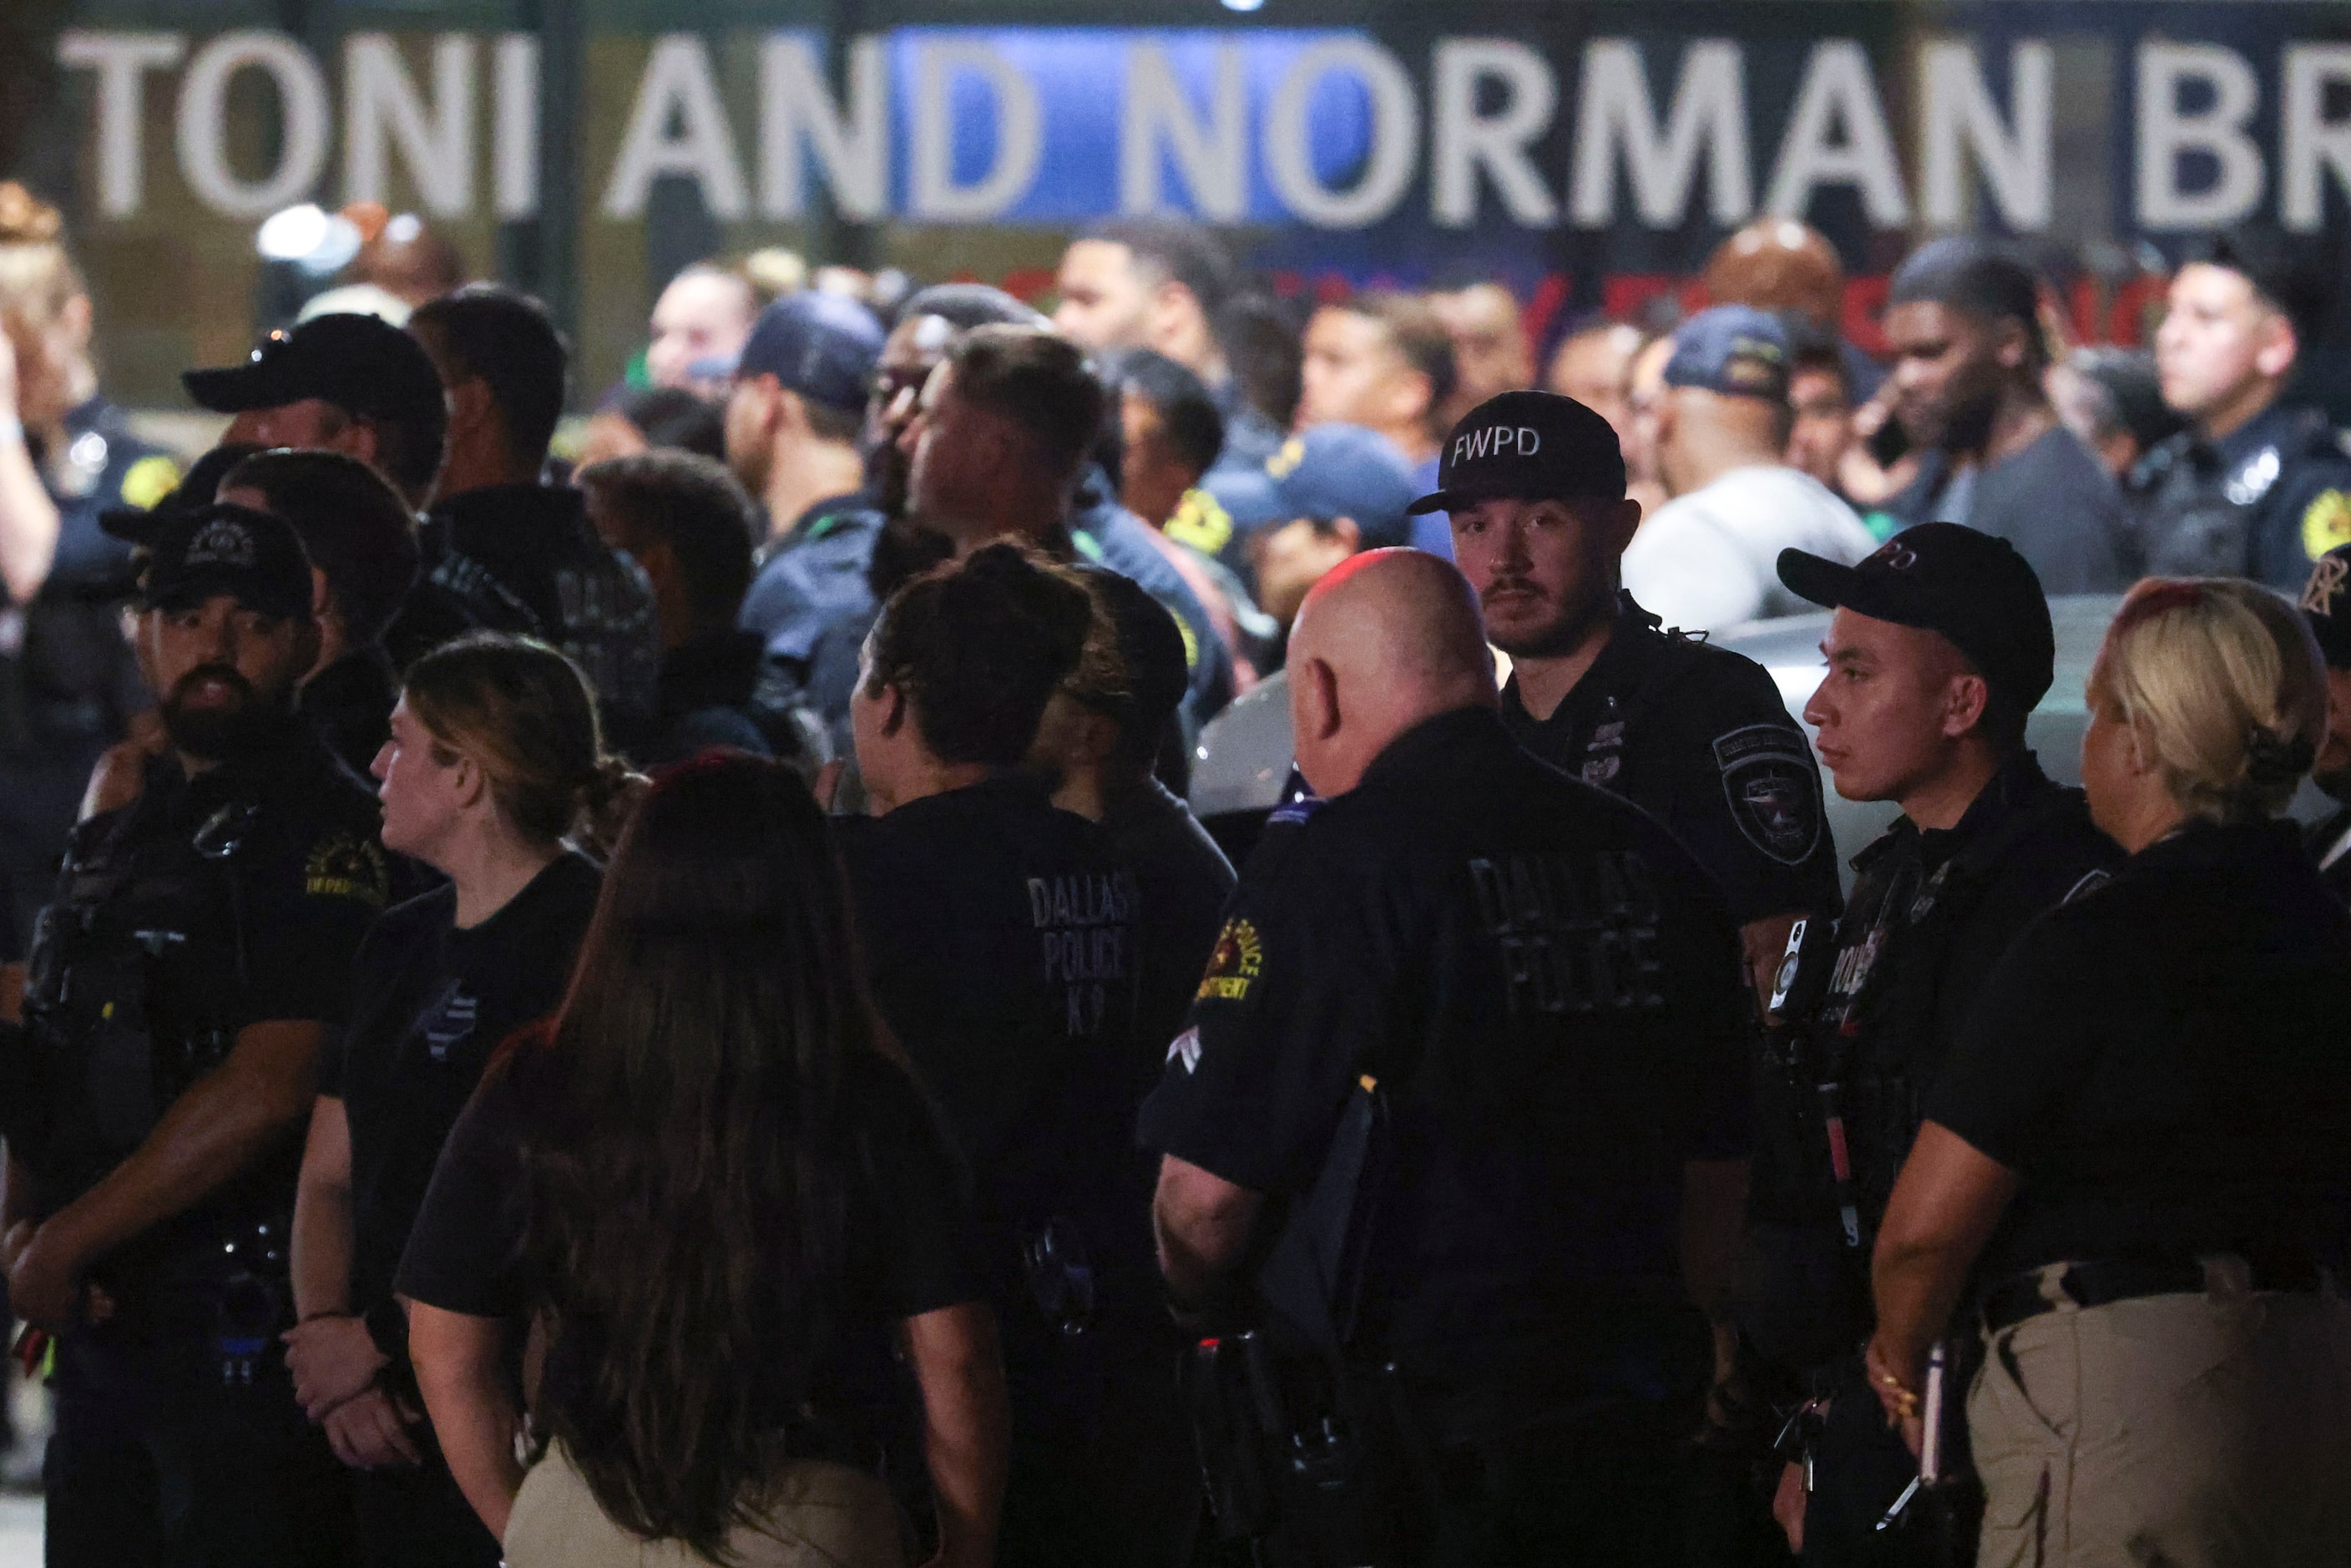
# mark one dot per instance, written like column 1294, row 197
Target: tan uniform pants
column 818, row 1516
column 2208, row 1431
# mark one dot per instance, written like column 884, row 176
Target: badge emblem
column 1774, row 796
column 2325, row 523
column 347, row 866
column 1233, row 966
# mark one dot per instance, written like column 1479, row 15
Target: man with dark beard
column 154, row 1101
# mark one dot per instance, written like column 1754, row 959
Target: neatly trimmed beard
column 220, row 734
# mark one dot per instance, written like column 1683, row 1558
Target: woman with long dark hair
column 715, row 1199
column 494, row 759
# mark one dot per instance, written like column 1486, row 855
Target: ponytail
column 527, row 716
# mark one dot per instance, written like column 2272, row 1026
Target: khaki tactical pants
column 2207, row 1430
column 818, row 1515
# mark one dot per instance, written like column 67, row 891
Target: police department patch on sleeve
column 347, row 865
column 1233, row 966
column 2325, row 523
column 1774, row 796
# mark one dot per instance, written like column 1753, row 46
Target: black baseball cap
column 1526, row 445
column 1734, row 350
column 816, row 343
column 2326, row 606
column 1974, row 589
column 254, row 558
column 359, row 363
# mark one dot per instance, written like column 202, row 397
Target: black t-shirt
column 350, row 705
column 1186, row 880
column 1000, row 939
column 1700, row 738
column 2163, row 1061
column 2053, row 501
column 907, row 1223
column 429, row 1004
column 524, row 559
column 1549, row 988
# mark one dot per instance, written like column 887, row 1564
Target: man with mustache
column 1696, row 735
column 154, row 1101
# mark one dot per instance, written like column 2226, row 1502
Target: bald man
column 1473, row 1029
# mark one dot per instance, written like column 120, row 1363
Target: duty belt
column 2103, row 1282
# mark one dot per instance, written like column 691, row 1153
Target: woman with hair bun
column 2135, row 1168
column 66, row 454
column 493, row 772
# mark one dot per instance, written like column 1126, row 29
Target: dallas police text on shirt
column 1086, row 924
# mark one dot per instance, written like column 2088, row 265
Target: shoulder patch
column 1773, row 794
column 1201, row 522
column 149, row 480
column 2325, row 523
column 1234, row 966
column 347, row 865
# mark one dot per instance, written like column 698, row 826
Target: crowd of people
column 663, row 1002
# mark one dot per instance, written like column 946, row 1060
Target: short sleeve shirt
column 1002, row 938
column 1700, row 738
column 1709, row 559
column 1549, row 988
column 2161, row 1060
column 907, row 1223
column 2052, row 501
column 429, row 1003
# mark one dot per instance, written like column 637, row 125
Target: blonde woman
column 2136, row 1170
column 66, row 454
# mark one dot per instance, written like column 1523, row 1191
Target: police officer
column 1002, row 939
column 2326, row 605
column 1940, row 646
column 175, row 1003
column 1476, row 1028
column 2256, row 487
column 2132, row 1177
column 67, row 684
column 1698, row 735
column 503, row 550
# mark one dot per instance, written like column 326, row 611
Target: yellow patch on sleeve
column 346, row 865
column 149, row 480
column 1201, row 522
column 1233, row 966
column 2326, row 523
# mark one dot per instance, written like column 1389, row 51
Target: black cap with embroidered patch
column 1527, row 446
column 2326, row 606
column 1973, row 588
column 252, row 557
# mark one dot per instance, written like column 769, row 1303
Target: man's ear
column 321, row 597
column 470, row 405
column 1964, row 701
column 1318, row 698
column 1621, row 520
column 2010, row 346
column 1344, row 530
column 1171, row 302
column 893, row 711
column 2279, row 345
column 306, row 649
